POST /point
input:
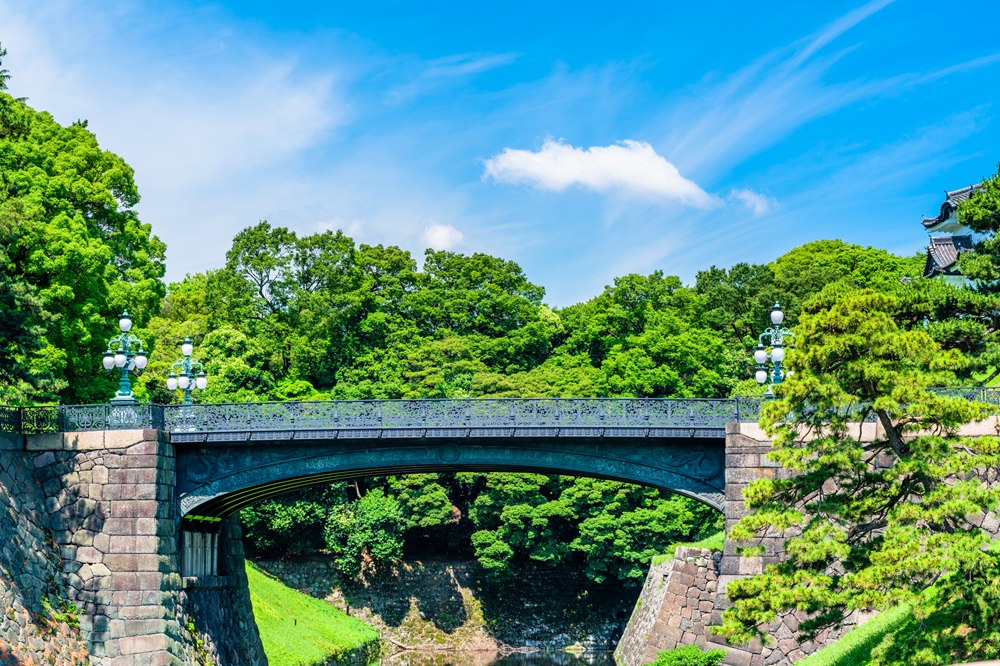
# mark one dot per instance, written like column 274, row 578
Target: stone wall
column 448, row 604
column 92, row 520
column 675, row 608
column 36, row 624
column 682, row 609
column 109, row 496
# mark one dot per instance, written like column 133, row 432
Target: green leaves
column 79, row 255
column 872, row 516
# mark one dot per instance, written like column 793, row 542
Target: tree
column 78, row 248
column 981, row 212
column 736, row 299
column 870, row 523
column 368, row 533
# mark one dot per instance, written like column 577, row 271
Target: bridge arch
column 216, row 481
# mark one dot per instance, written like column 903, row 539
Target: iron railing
column 585, row 415
column 474, row 415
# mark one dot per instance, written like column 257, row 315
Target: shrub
column 689, row 655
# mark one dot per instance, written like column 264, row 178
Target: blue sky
column 582, row 140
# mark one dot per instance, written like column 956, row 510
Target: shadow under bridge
column 230, row 456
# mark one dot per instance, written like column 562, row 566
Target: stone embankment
column 36, row 625
column 89, row 552
column 449, row 605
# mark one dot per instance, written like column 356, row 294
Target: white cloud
column 442, row 236
column 753, row 201
column 632, row 167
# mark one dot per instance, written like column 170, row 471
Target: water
column 557, row 658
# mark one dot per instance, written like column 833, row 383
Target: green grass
column 855, row 647
column 299, row 630
column 713, row 542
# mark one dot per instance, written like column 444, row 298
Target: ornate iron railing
column 476, row 415
column 81, row 418
column 568, row 416
column 988, row 394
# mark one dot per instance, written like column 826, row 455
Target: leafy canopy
column 872, row 521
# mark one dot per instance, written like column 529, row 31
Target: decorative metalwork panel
column 450, row 418
column 39, row 419
column 988, row 394
column 10, row 419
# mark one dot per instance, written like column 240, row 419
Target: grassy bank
column 299, row 630
column 856, row 646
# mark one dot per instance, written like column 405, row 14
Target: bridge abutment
column 110, row 500
column 677, row 606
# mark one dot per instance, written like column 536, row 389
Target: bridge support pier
column 110, row 499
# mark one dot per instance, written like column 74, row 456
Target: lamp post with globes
column 775, row 335
column 182, row 373
column 123, row 355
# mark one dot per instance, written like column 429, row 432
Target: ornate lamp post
column 122, row 355
column 775, row 335
column 182, row 373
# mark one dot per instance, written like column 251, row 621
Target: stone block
column 133, row 509
column 136, row 461
column 142, row 612
column 150, row 581
column 129, row 475
column 135, row 544
column 733, row 657
column 121, row 562
column 122, row 439
column 88, row 555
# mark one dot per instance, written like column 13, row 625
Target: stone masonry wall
column 109, row 496
column 89, row 566
column 35, row 627
column 682, row 610
column 675, row 608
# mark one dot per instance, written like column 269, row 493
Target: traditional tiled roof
column 951, row 201
column 942, row 253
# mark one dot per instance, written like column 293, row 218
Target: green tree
column 367, row 533
column 79, row 248
column 861, row 534
column 981, row 212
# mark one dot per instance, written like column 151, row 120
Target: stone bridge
column 137, row 498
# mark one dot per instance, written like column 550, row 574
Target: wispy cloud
column 449, row 70
column 629, row 167
column 755, row 202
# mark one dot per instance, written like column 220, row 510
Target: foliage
column 689, row 655
column 297, row 629
column 75, row 255
column 366, row 533
column 863, row 535
column 293, row 524
column 981, row 212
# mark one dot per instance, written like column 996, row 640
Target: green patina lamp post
column 769, row 364
column 122, row 355
column 183, row 375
